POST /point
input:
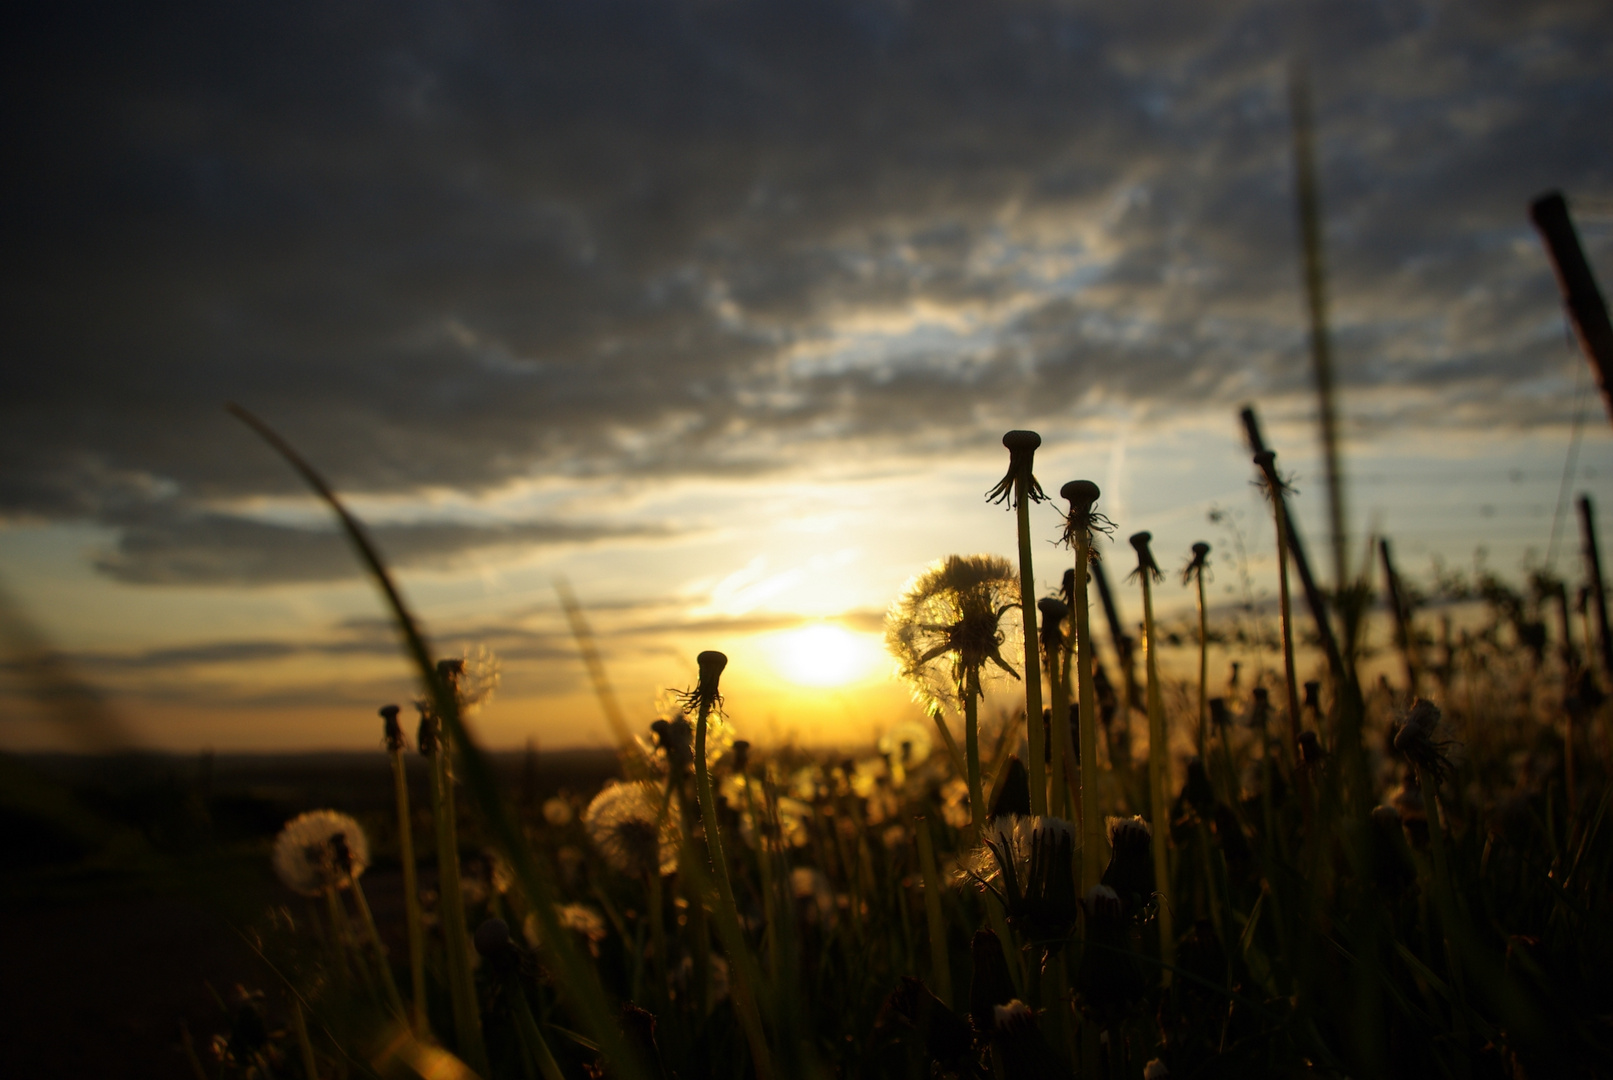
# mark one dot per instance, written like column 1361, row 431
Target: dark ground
column 126, row 882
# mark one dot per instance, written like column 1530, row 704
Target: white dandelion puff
column 320, row 850
column 627, row 824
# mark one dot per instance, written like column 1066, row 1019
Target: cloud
column 215, row 549
column 459, row 246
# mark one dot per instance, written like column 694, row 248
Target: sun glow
column 824, row 654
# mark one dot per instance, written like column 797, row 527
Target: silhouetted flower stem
column 389, row 985
column 1064, row 798
column 451, row 906
column 971, row 749
column 395, row 744
column 1020, row 485
column 743, row 970
column 1275, row 490
column 1080, row 524
column 1195, row 573
column 1158, row 756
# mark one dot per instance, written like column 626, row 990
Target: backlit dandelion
column 909, row 743
column 950, row 615
column 626, row 823
column 320, row 850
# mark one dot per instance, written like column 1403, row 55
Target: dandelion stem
column 1158, row 759
column 1020, row 485
column 411, row 893
column 389, row 985
column 744, row 970
column 1082, row 495
column 1204, row 659
column 1033, row 671
column 1267, row 460
column 451, row 907
column 971, row 749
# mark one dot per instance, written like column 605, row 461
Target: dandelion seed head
column 320, row 850
column 909, row 742
column 949, row 617
column 625, row 823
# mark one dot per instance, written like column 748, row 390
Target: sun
column 824, row 654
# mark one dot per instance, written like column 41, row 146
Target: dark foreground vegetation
column 1273, row 875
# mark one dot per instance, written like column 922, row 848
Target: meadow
column 1288, row 869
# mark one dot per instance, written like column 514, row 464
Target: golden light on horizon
column 824, row 654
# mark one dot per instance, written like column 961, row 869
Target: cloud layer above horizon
column 459, row 247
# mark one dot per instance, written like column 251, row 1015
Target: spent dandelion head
column 427, row 734
column 392, row 731
column 1083, row 520
column 1019, row 482
column 1145, row 557
column 320, row 850
column 1198, row 564
column 1271, row 482
column 952, row 613
column 705, row 698
column 626, row 823
column 472, row 677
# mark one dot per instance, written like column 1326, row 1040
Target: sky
column 719, row 310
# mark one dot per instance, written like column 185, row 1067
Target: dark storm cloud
column 458, row 244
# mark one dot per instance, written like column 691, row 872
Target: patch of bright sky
column 840, row 536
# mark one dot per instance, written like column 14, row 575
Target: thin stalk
column 940, row 962
column 1092, row 841
column 1019, row 485
column 389, row 985
column 411, row 893
column 1204, row 663
column 338, row 935
column 305, row 1046
column 1033, row 668
column 971, row 749
column 1267, row 460
column 1397, row 608
column 743, row 972
column 451, row 906
column 743, row 969
column 1079, row 525
column 1060, row 782
column 1158, row 761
